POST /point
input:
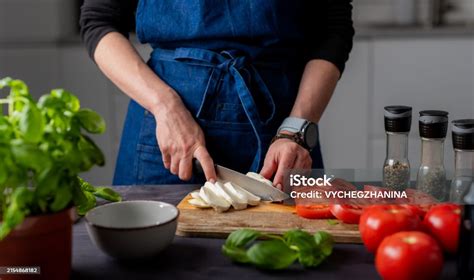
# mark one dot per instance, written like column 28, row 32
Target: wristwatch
column 304, row 132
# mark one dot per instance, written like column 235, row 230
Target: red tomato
column 314, row 211
column 347, row 213
column 411, row 255
column 442, row 222
column 419, row 210
column 380, row 221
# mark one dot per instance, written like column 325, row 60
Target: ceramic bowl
column 132, row 229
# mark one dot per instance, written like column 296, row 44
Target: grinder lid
column 397, row 118
column 433, row 124
column 463, row 134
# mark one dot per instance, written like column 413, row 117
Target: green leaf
column 91, row 121
column 91, row 154
column 62, row 198
column 70, row 100
column 48, row 181
column 5, row 82
column 236, row 254
column 272, row 254
column 304, row 243
column 324, row 242
column 30, row 156
column 85, row 186
column 31, row 123
column 332, row 222
column 16, row 211
column 241, row 237
column 107, row 194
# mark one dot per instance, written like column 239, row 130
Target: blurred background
column 406, row 52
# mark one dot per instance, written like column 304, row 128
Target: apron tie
column 233, row 64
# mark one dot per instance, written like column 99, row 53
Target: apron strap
column 230, row 63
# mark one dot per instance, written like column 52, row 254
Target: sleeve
column 335, row 39
column 100, row 17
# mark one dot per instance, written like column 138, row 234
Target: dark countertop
column 200, row 258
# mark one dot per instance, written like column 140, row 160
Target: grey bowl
column 132, row 229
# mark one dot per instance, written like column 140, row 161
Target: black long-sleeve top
column 328, row 25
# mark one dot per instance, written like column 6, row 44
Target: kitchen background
column 417, row 53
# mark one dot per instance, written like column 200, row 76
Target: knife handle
column 197, row 167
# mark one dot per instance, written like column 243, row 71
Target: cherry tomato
column 347, row 213
column 442, row 222
column 411, row 255
column 419, row 210
column 314, row 211
column 380, row 221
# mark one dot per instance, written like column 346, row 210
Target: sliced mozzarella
column 260, row 178
column 212, row 198
column 239, row 201
column 199, row 203
column 195, row 194
column 251, row 198
column 219, row 189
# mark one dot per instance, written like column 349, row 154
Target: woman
column 223, row 80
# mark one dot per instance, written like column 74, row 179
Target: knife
column 260, row 189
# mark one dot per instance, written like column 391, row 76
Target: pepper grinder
column 463, row 142
column 396, row 170
column 431, row 178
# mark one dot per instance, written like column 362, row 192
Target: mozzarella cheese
column 260, row 178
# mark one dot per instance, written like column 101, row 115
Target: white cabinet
column 344, row 126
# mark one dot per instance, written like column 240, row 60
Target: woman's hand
column 180, row 140
column 282, row 155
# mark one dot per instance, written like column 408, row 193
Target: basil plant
column 43, row 148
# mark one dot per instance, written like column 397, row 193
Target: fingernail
column 279, row 186
column 212, row 180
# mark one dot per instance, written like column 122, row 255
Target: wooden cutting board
column 266, row 217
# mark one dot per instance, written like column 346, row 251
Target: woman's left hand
column 282, row 155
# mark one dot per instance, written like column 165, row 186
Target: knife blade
column 252, row 185
column 260, row 189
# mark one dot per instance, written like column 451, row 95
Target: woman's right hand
column 180, row 139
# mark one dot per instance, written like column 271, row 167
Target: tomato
column 419, row 210
column 347, row 213
column 380, row 221
column 442, row 222
column 408, row 256
column 314, row 211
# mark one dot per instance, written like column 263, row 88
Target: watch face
column 311, row 135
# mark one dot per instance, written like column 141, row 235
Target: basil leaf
column 85, row 186
column 303, row 242
column 70, row 100
column 87, row 204
column 91, row 153
column 91, row 121
column 16, row 211
column 62, row 198
column 272, row 254
column 31, row 123
column 29, row 156
column 241, row 237
column 47, row 183
column 236, row 254
column 107, row 194
column 324, row 242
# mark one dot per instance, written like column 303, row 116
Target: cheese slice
column 209, row 195
column 199, row 203
column 260, row 178
column 239, row 201
column 251, row 198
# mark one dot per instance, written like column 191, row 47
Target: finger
column 207, row 163
column 174, row 165
column 269, row 165
column 166, row 159
column 286, row 162
column 185, row 168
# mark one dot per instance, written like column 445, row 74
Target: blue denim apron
column 239, row 90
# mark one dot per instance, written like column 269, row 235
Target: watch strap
column 293, row 137
column 292, row 124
